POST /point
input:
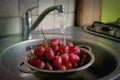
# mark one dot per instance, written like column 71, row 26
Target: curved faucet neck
column 43, row 14
column 27, row 20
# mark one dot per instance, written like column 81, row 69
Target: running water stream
column 62, row 26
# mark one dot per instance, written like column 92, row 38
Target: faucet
column 27, row 20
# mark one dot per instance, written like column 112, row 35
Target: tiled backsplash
column 12, row 10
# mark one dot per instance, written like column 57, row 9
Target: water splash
column 62, row 26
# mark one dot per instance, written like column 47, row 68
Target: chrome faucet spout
column 43, row 14
column 28, row 27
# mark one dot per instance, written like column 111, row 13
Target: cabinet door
column 88, row 11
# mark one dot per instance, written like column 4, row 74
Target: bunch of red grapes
column 56, row 56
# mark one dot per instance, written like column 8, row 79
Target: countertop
column 5, row 42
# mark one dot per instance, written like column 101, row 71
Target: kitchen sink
column 106, row 65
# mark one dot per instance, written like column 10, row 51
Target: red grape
column 56, row 42
column 60, row 42
column 63, row 49
column 65, row 57
column 74, row 58
column 62, row 67
column 40, row 65
column 68, row 65
column 33, row 61
column 57, row 61
column 55, row 48
column 48, row 66
column 69, row 44
column 74, row 49
column 49, row 53
column 38, row 51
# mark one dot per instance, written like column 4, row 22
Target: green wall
column 110, row 10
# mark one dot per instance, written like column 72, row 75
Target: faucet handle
column 28, row 15
column 30, row 9
column 27, row 21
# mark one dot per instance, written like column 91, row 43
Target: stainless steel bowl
column 43, row 74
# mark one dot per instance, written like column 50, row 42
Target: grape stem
column 45, row 40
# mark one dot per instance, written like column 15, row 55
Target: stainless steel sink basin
column 105, row 67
